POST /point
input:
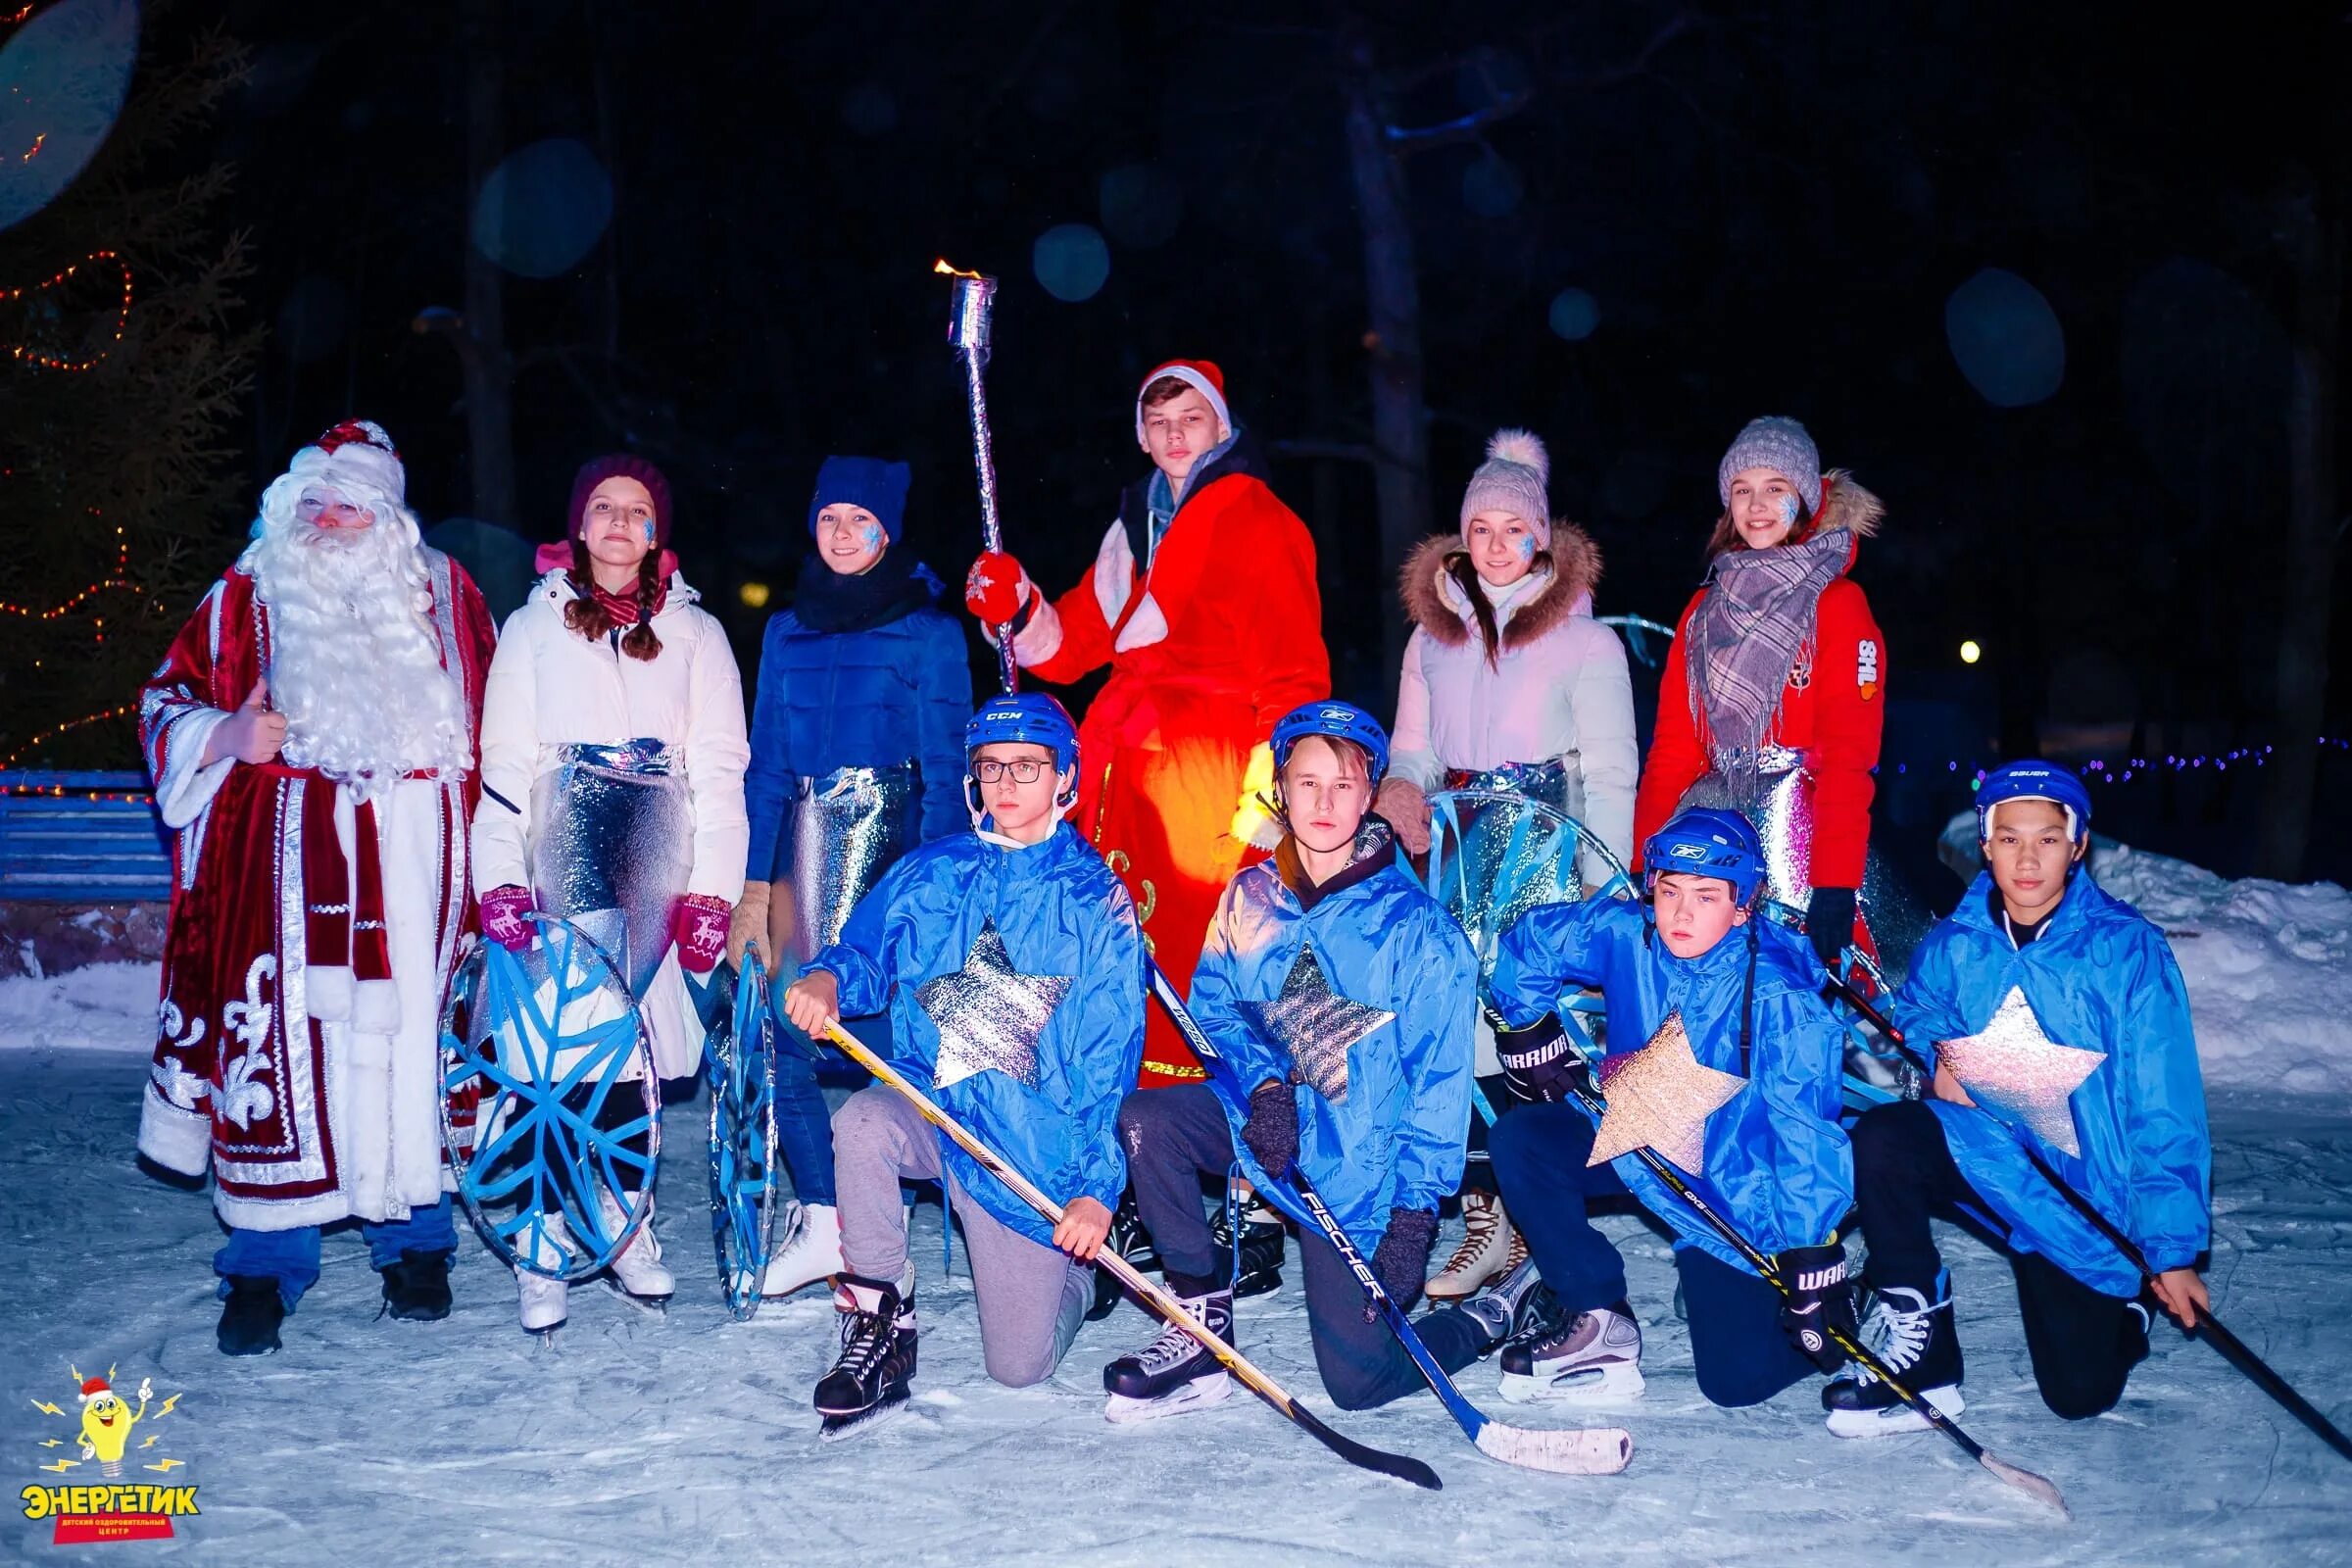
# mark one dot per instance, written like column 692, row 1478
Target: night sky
column 2021, row 268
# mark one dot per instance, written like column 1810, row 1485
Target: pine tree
column 122, row 474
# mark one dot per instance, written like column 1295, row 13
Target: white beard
column 354, row 664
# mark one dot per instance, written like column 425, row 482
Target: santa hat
column 1512, row 479
column 91, row 1388
column 356, row 457
column 1201, row 376
column 619, row 465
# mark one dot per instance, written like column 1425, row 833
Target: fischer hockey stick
column 1598, row 1450
column 2233, row 1349
column 2033, row 1486
column 1401, row 1466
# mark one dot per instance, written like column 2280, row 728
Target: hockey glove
column 1819, row 1298
column 502, row 916
column 1539, row 1063
column 1401, row 1262
column 1272, row 1130
column 1830, row 923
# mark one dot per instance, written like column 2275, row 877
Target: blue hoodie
column 1392, row 1137
column 1778, row 1164
column 2099, row 977
column 1059, row 912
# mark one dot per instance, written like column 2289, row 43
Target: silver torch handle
column 973, row 297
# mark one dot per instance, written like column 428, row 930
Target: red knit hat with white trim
column 1201, row 376
column 357, row 457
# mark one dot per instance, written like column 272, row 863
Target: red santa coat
column 1211, row 642
column 1831, row 709
column 310, row 944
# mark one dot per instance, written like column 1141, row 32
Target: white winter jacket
column 550, row 687
column 1558, row 687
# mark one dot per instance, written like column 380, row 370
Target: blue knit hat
column 875, row 483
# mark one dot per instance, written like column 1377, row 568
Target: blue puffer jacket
column 2098, row 978
column 1393, row 1137
column 1778, row 1164
column 894, row 692
column 1059, row 911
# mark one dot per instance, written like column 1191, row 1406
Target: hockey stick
column 1401, row 1466
column 1571, row 1451
column 2033, row 1486
column 2233, row 1349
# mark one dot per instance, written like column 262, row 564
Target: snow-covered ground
column 646, row 1440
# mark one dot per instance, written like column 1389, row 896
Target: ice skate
column 1491, row 1247
column 1912, row 1332
column 1175, row 1372
column 1260, row 1271
column 871, row 1377
column 637, row 1273
column 1595, row 1359
column 812, row 1251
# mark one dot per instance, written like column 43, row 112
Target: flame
column 941, row 265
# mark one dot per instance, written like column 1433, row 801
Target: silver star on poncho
column 1315, row 1026
column 1659, row 1099
column 989, row 1014
column 2012, row 1065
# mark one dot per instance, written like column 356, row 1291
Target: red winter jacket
column 1831, row 709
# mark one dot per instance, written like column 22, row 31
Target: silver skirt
column 846, row 829
column 612, row 847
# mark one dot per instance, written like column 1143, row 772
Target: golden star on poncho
column 1659, row 1098
column 989, row 1014
column 2012, row 1065
column 1314, row 1025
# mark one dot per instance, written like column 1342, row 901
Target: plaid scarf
column 1756, row 616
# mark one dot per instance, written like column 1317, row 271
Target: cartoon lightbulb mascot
column 105, row 1423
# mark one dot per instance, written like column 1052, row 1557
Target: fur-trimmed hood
column 1434, row 602
column 1844, row 504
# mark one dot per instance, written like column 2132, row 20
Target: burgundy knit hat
column 620, row 465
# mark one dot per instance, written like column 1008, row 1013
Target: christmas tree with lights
column 121, row 369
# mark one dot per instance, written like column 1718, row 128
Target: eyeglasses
column 1025, row 771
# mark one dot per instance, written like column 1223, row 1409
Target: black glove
column 1539, row 1063
column 1401, row 1262
column 1272, row 1130
column 1819, row 1298
column 1830, row 923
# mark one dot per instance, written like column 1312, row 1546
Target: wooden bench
column 81, row 838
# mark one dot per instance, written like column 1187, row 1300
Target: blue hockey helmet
column 1333, row 720
column 1707, row 841
column 2034, row 780
column 1030, row 719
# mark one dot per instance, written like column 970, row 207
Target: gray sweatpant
column 1031, row 1297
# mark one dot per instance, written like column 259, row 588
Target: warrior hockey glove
column 1819, row 1298
column 1402, row 1260
column 1539, row 1063
column 1272, row 1130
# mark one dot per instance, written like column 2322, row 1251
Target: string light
column 25, row 353
column 67, row 606
column 2099, row 770
column 34, row 148
column 55, row 730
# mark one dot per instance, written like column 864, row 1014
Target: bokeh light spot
column 1071, row 262
column 1574, row 315
column 2006, row 339
column 1492, row 187
column 1142, row 204
column 543, row 208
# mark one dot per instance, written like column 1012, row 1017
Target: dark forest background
column 1628, row 226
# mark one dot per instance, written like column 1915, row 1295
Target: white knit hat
column 1513, row 479
column 1778, row 443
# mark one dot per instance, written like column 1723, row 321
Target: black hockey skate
column 1129, row 1240
column 869, row 1379
column 1260, row 1267
column 1175, row 1372
column 1912, row 1332
column 416, row 1288
column 250, row 1316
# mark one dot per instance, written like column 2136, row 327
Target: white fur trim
column 1041, row 639
column 1145, row 627
column 330, row 993
column 189, row 783
column 1113, row 577
column 1191, row 379
column 175, row 1139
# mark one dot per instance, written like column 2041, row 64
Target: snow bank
column 103, row 1006
column 2269, row 966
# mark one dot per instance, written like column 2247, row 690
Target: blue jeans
column 291, row 1256
column 1738, row 1347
